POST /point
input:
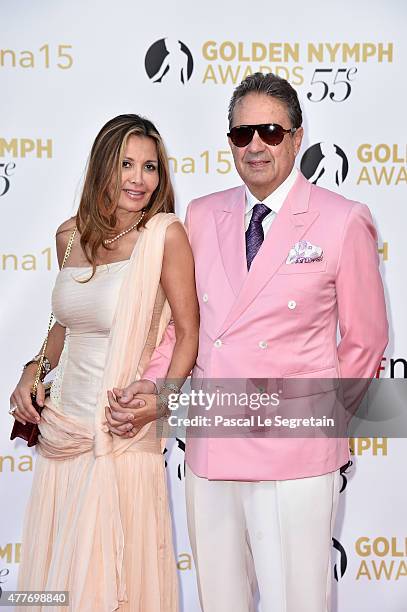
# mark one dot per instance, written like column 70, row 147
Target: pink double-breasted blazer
column 280, row 320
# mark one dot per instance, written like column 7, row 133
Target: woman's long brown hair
column 96, row 216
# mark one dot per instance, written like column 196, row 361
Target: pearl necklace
column 126, row 231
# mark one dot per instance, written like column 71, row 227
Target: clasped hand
column 131, row 408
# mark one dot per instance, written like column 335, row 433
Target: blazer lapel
column 229, row 220
column 290, row 225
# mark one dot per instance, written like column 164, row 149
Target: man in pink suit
column 279, row 262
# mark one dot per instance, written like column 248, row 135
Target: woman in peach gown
column 97, row 522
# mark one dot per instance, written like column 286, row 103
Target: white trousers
column 277, row 533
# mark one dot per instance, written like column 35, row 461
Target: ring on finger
column 12, row 410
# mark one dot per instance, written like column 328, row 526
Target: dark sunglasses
column 270, row 133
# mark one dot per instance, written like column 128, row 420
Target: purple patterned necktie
column 255, row 233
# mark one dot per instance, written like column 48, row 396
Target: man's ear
column 298, row 139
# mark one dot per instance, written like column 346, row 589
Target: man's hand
column 126, row 413
column 126, row 396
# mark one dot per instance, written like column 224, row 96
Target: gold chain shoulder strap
column 44, row 346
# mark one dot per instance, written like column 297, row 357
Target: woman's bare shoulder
column 62, row 236
column 175, row 232
column 66, row 226
column 176, row 244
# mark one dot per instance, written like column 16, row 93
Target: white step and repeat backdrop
column 68, row 67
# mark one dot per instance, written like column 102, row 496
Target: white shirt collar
column 276, row 199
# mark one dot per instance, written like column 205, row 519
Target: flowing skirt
column 107, row 556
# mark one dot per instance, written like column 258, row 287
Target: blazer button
column 292, row 304
column 218, row 343
column 205, row 297
column 263, row 344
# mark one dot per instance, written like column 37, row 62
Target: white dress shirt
column 274, row 201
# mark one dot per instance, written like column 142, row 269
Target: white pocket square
column 304, row 252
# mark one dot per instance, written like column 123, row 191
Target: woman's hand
column 21, row 397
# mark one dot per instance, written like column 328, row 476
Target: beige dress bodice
column 87, row 311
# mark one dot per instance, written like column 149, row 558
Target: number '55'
column 337, row 84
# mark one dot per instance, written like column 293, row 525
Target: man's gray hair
column 270, row 85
